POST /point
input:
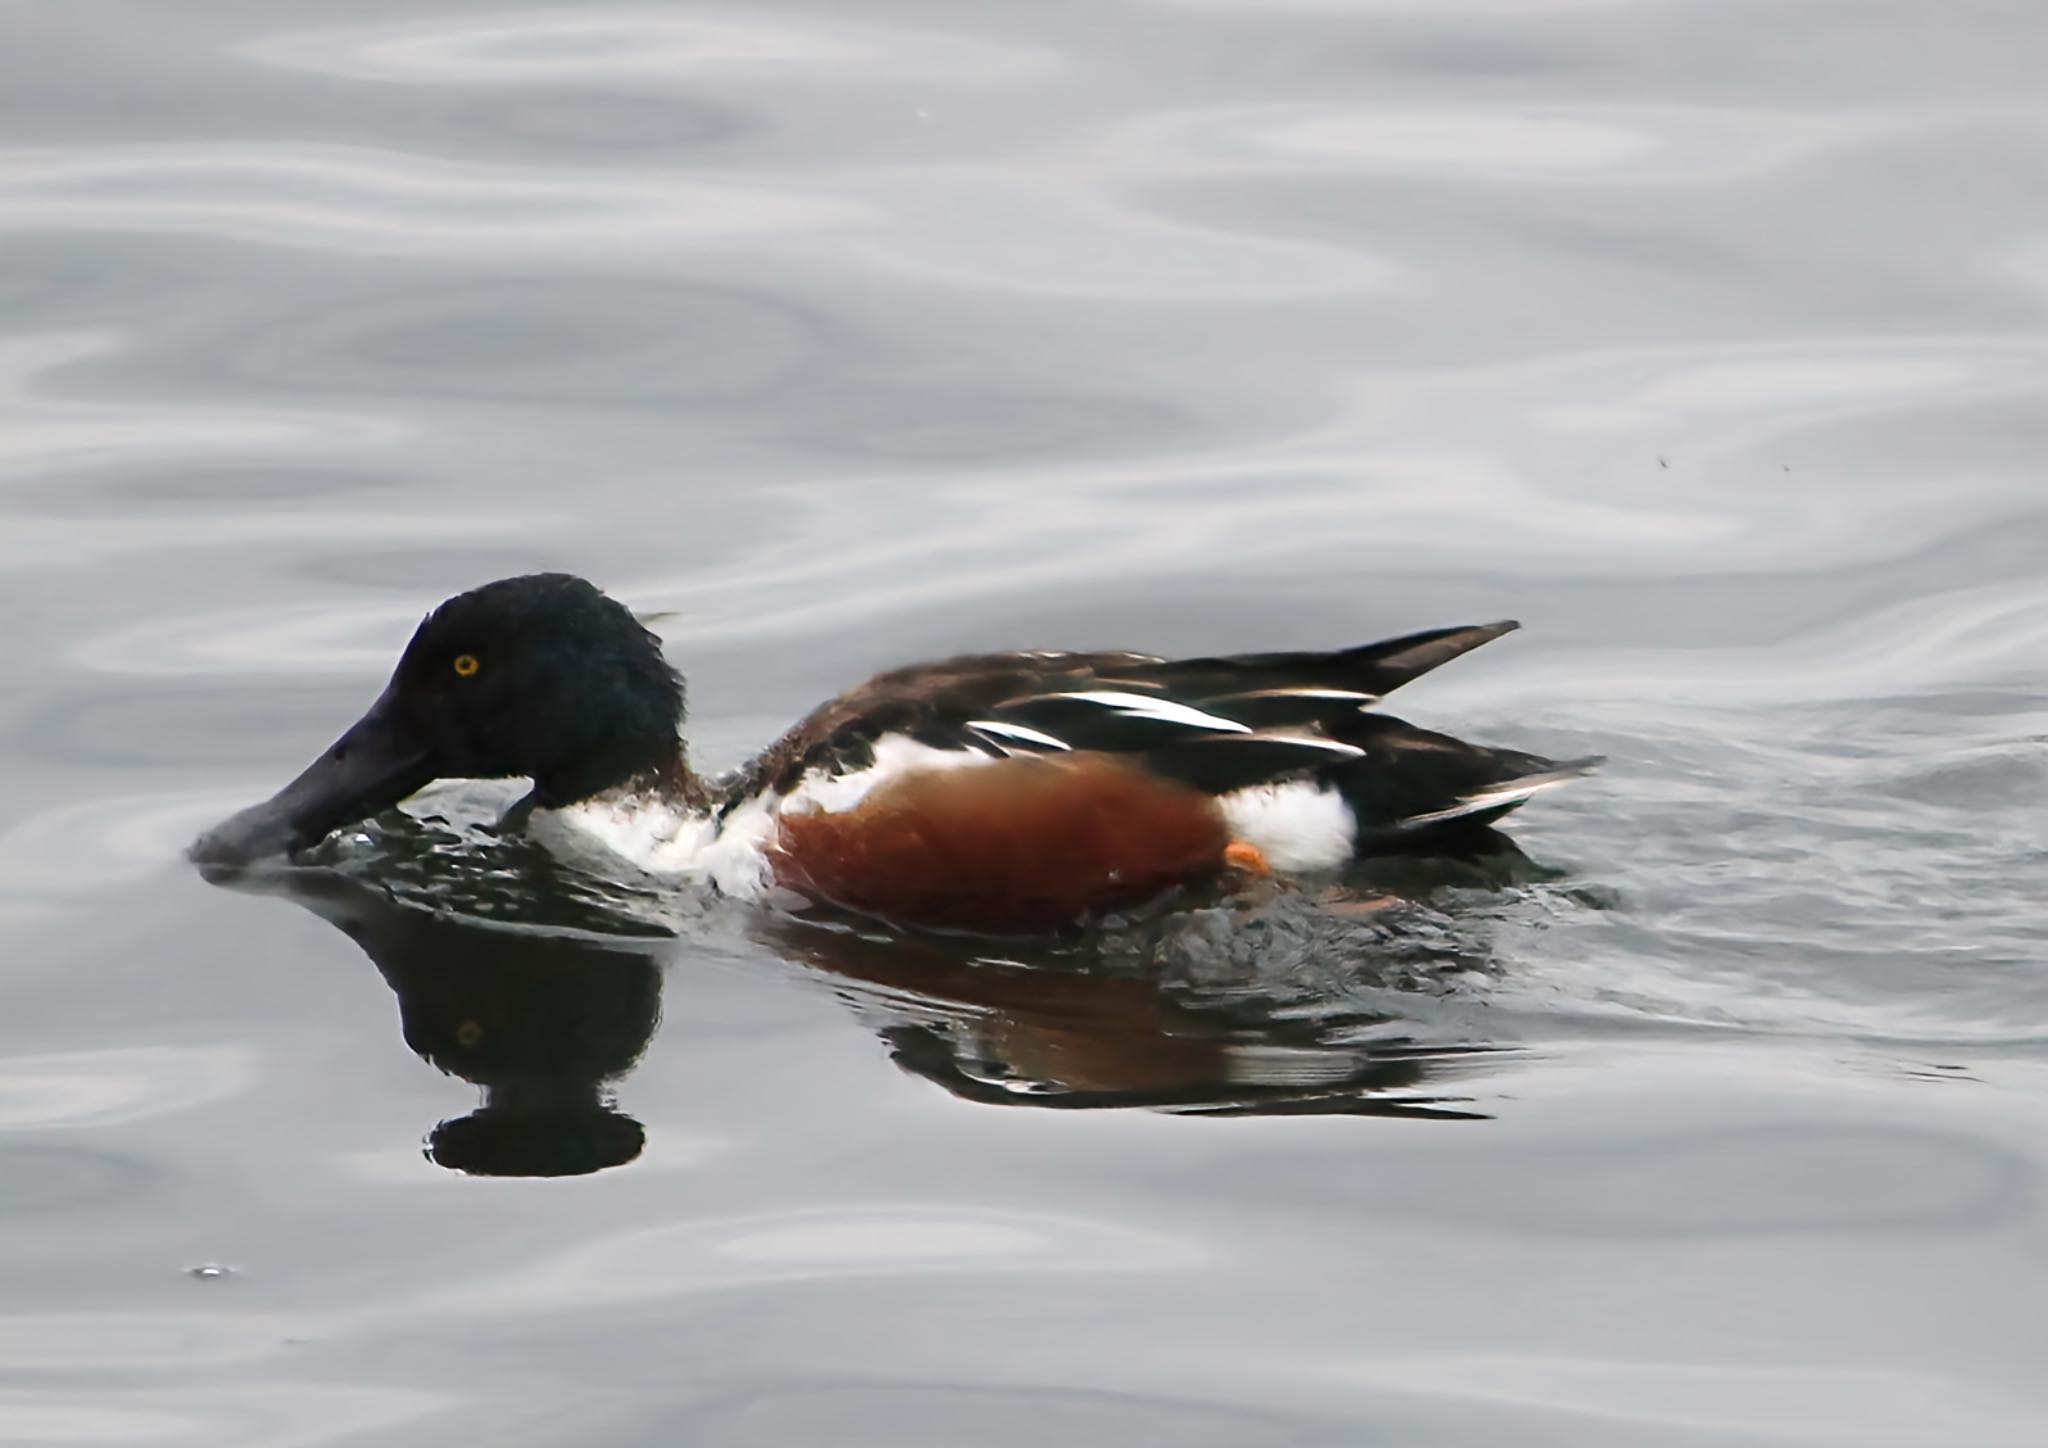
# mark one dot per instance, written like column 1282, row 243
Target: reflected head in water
column 543, row 1021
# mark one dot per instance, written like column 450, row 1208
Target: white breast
column 731, row 855
column 663, row 839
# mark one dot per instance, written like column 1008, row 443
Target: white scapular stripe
column 1018, row 732
column 895, row 756
column 1354, row 694
column 1299, row 741
column 1166, row 711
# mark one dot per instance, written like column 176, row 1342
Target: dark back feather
column 1218, row 724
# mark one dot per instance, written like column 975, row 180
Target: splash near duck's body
column 999, row 793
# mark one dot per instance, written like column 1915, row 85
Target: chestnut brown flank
column 1015, row 845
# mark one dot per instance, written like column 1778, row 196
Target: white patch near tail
column 1512, row 791
column 1296, row 825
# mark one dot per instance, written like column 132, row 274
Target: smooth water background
column 1708, row 337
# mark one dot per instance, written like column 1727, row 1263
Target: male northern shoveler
column 999, row 793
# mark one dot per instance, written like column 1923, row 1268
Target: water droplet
column 211, row 1272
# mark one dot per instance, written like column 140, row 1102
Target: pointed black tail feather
column 1371, row 670
column 1395, row 662
column 1485, row 805
column 1412, row 781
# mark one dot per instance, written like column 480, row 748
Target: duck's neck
column 684, row 786
column 667, row 778
column 670, row 780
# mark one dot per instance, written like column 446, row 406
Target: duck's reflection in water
column 1178, row 1014
column 544, row 1021
column 1068, row 1033
column 1277, row 1001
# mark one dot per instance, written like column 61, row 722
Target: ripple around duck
column 45, row 433
column 144, row 1341
column 46, row 1178
column 1487, row 9
column 1615, row 143
column 1523, row 498
column 273, row 1412
column 89, row 847
column 31, row 542
column 527, row 337
column 119, row 727
column 1789, row 1401
column 1805, row 1178
column 642, row 46
column 894, row 1239
column 1039, row 235
column 75, row 1089
column 172, row 488
column 1945, row 640
column 1813, row 910
column 945, row 1414
column 350, row 199
column 310, row 641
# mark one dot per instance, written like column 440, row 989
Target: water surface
column 1706, row 338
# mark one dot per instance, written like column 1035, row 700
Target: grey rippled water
column 1709, row 337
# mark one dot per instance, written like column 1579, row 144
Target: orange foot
column 1248, row 858
column 1361, row 909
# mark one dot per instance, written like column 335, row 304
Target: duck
column 1000, row 794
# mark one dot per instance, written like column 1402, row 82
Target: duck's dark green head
column 541, row 677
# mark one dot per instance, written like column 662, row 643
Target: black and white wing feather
column 1221, row 725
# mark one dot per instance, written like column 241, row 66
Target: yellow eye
column 466, row 665
column 469, row 1032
